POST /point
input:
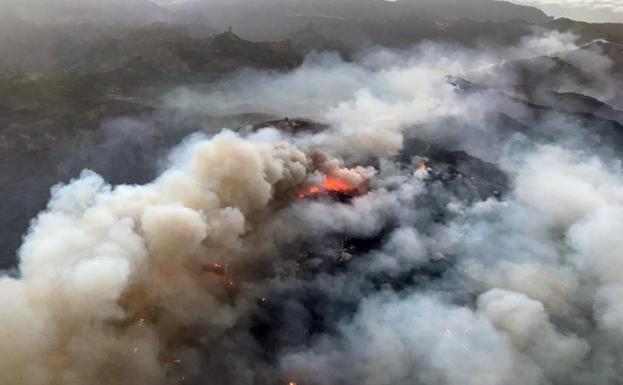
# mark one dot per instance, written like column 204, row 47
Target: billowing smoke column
column 111, row 276
column 239, row 266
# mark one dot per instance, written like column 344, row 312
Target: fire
column 336, row 185
column 310, row 191
column 216, row 268
column 330, row 185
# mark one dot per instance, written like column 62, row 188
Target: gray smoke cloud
column 217, row 271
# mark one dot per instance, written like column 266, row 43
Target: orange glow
column 330, row 184
column 310, row 192
column 216, row 268
column 337, row 185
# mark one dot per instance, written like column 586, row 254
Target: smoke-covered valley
column 185, row 206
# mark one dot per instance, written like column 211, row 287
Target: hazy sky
column 587, row 10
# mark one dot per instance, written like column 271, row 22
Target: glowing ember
column 310, row 191
column 328, row 186
column 291, row 383
column 216, row 268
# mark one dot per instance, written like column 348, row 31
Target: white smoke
column 370, row 104
column 100, row 258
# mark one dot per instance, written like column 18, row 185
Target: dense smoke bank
column 347, row 255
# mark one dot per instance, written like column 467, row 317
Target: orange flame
column 336, row 185
column 329, row 185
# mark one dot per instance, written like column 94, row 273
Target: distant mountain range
column 187, row 43
column 257, row 16
column 278, row 18
column 154, row 50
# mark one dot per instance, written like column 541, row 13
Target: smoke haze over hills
column 371, row 197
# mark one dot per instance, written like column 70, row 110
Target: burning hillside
column 414, row 227
column 332, row 186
